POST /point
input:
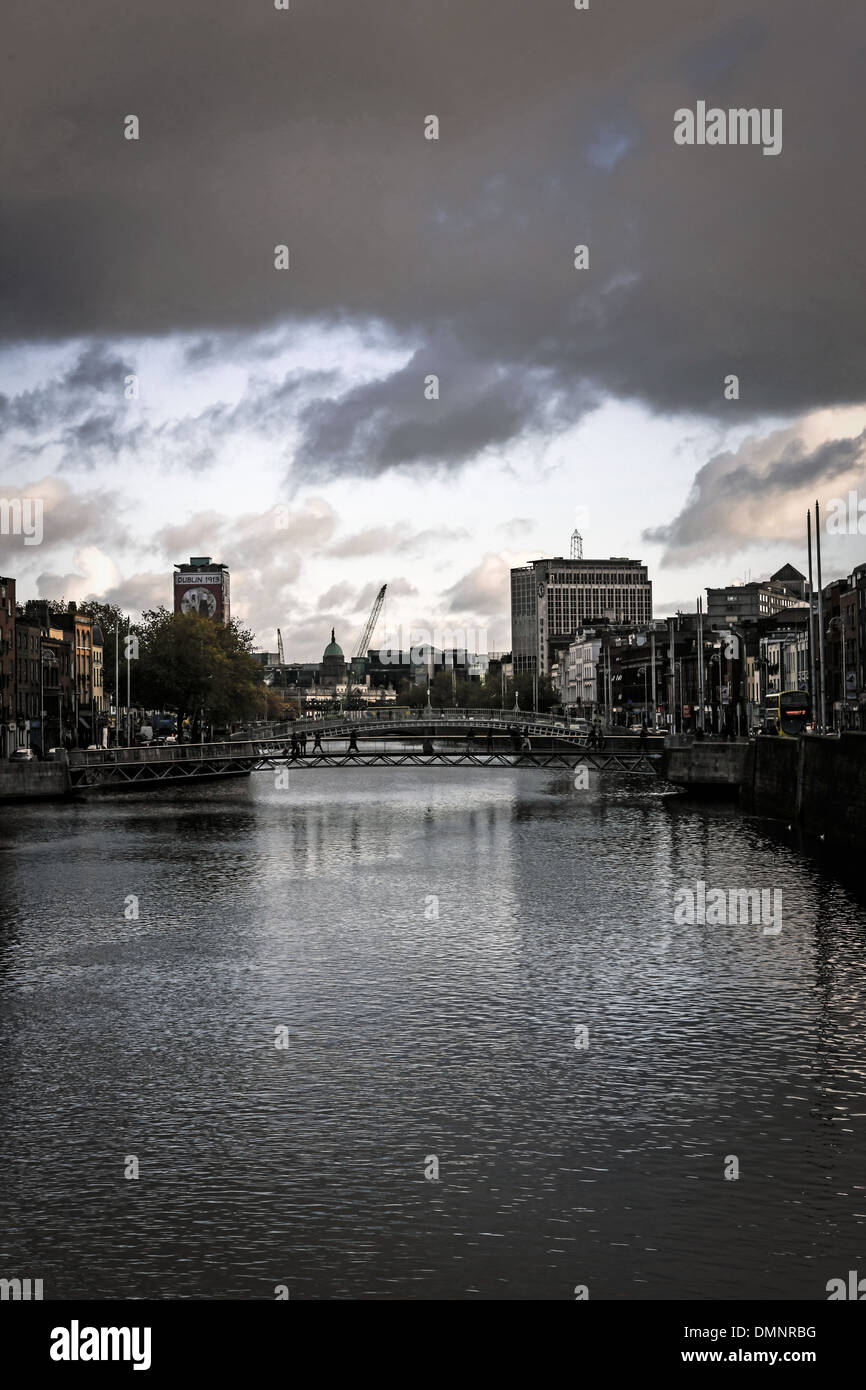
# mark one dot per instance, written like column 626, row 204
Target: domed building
column 333, row 664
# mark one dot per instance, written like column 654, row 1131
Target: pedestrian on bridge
column 302, row 739
column 643, row 736
column 353, row 742
column 317, row 743
column 294, row 744
column 490, row 745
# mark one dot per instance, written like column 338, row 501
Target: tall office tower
column 551, row 599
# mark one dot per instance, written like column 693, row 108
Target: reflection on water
column 430, row 941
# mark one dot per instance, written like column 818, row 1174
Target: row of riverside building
column 51, row 676
column 587, row 625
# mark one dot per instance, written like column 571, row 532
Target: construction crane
column 280, row 653
column 364, row 640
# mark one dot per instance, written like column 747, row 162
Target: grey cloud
column 759, row 492
column 398, row 538
column 79, row 401
column 484, row 590
column 71, row 516
column 389, row 423
column 335, row 596
column 260, row 127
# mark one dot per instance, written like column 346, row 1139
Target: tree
column 190, row 662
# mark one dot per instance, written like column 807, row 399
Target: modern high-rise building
column 202, row 586
column 552, row 599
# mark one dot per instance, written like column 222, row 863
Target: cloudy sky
column 281, row 423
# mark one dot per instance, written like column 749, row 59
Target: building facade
column 202, row 586
column 8, row 729
column 579, row 673
column 553, row 599
column 748, row 603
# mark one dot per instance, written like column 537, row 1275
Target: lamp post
column 700, row 654
column 840, row 622
column 128, row 683
column 50, row 657
column 641, row 671
column 741, row 683
column 41, row 698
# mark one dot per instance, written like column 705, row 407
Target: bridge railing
column 166, row 753
column 252, row 747
column 384, row 714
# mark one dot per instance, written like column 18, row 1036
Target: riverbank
column 34, row 781
column 818, row 784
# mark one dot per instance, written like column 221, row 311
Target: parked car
column 22, row 755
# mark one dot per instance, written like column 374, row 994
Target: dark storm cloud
column 304, row 127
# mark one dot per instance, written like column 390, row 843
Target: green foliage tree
column 191, row 663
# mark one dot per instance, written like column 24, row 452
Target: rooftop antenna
column 576, row 545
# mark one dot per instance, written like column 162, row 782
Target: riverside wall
column 819, row 784
column 33, row 780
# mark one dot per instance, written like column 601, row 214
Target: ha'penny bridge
column 448, row 738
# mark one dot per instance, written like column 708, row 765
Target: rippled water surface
column 414, row 1037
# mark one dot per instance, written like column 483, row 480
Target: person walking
column 353, row 742
column 294, row 745
column 490, row 746
column 317, row 743
column 644, row 742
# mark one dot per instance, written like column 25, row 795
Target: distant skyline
column 600, row 389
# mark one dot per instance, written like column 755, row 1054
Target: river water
column 428, row 944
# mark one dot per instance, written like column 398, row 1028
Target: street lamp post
column 839, row 622
column 641, row 671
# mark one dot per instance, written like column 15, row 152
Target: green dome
column 333, row 649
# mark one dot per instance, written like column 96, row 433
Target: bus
column 787, row 714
